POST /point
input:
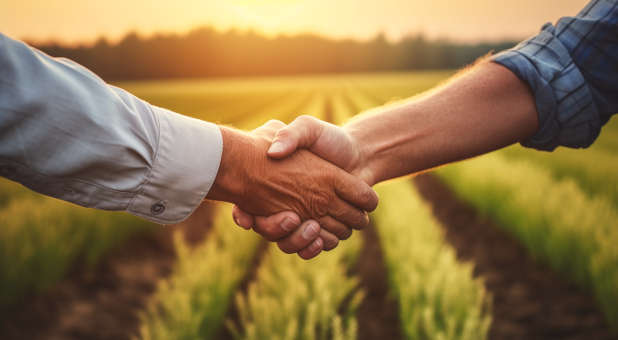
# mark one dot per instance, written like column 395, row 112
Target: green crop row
column 304, row 300
column 594, row 169
column 296, row 299
column 194, row 300
column 41, row 238
column 192, row 303
column 438, row 296
column 558, row 223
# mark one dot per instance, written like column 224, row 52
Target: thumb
column 303, row 132
column 242, row 218
column 284, row 143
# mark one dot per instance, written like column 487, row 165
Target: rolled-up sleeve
column 67, row 134
column 572, row 70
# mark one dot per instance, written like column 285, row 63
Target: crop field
column 68, row 272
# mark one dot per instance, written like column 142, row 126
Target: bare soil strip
column 530, row 301
column 378, row 315
column 104, row 303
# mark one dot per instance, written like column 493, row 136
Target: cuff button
column 157, row 208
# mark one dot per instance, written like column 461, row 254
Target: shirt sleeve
column 572, row 70
column 67, row 134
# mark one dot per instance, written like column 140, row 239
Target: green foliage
column 594, row 169
column 192, row 303
column 303, row 300
column 41, row 238
column 438, row 296
column 558, row 222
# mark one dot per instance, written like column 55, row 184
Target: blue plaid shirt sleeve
column 572, row 70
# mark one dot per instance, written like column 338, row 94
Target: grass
column 555, row 219
column 562, row 206
column 593, row 169
column 438, row 297
column 319, row 300
column 194, row 300
column 192, row 303
column 42, row 238
column 296, row 299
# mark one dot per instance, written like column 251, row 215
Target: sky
column 79, row 21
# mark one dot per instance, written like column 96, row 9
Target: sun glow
column 79, row 20
column 267, row 14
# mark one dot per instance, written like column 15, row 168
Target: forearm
column 66, row 133
column 479, row 111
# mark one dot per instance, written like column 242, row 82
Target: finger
column 348, row 215
column 312, row 250
column 278, row 226
column 300, row 238
column 335, row 227
column 330, row 240
column 355, row 191
column 301, row 133
column 242, row 219
column 270, row 128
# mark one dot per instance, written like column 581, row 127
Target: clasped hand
column 299, row 186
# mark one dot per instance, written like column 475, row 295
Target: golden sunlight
column 470, row 20
column 268, row 15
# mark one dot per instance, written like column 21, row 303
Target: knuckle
column 319, row 204
column 363, row 220
column 345, row 234
column 306, row 255
column 284, row 133
column 267, row 231
column 305, row 119
column 331, row 244
column 372, row 199
column 275, row 123
column 285, row 247
column 358, row 220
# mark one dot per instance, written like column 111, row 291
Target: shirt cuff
column 184, row 168
column 567, row 113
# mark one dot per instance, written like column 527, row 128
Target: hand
column 307, row 240
column 330, row 142
column 302, row 183
column 326, row 140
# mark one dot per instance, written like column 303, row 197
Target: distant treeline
column 206, row 52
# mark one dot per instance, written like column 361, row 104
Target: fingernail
column 288, row 224
column 317, row 244
column 311, row 231
column 276, row 147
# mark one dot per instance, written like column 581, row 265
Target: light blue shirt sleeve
column 66, row 133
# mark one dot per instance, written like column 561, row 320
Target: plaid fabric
column 572, row 69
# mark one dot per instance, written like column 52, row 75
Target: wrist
column 363, row 166
column 230, row 183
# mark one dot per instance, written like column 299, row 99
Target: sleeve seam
column 67, row 179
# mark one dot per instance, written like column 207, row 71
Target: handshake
column 305, row 186
column 308, row 185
